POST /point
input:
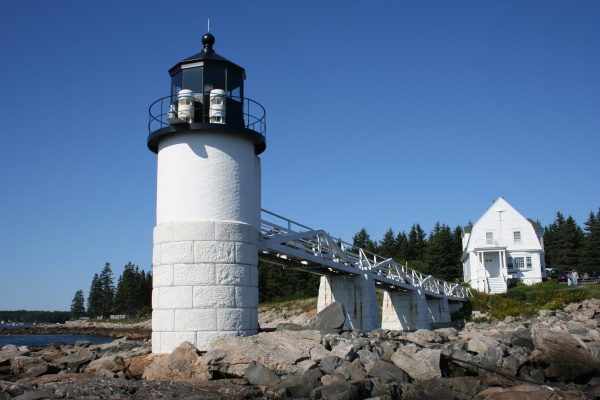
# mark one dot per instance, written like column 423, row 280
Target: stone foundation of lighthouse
column 205, row 257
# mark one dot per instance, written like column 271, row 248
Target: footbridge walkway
column 352, row 276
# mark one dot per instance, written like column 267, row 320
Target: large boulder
column 182, row 364
column 329, row 319
column 564, row 357
column 280, row 352
column 386, row 372
column 74, row 361
column 258, row 375
column 420, row 364
column 528, row 392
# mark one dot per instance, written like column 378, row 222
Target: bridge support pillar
column 404, row 310
column 358, row 295
column 438, row 310
column 455, row 307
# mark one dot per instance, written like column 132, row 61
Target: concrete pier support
column 455, row 307
column 358, row 295
column 438, row 310
column 404, row 310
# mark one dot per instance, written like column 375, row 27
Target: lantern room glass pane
column 215, row 76
column 176, row 83
column 235, row 85
column 192, row 79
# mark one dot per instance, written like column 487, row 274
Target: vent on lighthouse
column 217, row 106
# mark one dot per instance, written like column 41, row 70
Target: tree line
column 568, row 246
column 132, row 296
column 30, row 317
column 437, row 254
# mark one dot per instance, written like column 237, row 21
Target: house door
column 492, row 264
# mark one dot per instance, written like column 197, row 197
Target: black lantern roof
column 207, row 55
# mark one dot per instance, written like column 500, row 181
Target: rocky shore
column 554, row 355
column 138, row 331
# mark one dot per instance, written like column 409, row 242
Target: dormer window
column 517, row 236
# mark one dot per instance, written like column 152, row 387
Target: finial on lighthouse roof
column 208, row 40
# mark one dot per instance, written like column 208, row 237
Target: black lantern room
column 207, row 94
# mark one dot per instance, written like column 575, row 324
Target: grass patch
column 523, row 300
column 302, row 303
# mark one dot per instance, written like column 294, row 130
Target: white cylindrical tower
column 205, row 257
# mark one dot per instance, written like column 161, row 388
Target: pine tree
column 95, row 298
column 590, row 248
column 126, row 296
column 562, row 241
column 416, row 244
column 388, row 247
column 108, row 289
column 401, row 245
column 78, row 305
column 441, row 254
column 362, row 240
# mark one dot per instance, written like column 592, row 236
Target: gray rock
column 567, row 357
column 424, row 336
column 277, row 351
column 367, row 357
column 350, row 390
column 482, row 344
column 387, row 372
column 330, row 363
column 351, row 371
column 330, row 318
column 73, row 361
column 521, row 338
column 300, row 386
column 257, row 374
column 289, row 327
column 419, row 364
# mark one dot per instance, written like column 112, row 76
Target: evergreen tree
column 562, row 241
column 78, row 305
column 126, row 296
column 401, row 245
column 108, row 289
column 276, row 282
column 416, row 244
column 388, row 247
column 441, row 253
column 362, row 240
column 458, row 248
column 590, row 248
column 95, row 298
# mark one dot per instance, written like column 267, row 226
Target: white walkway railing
column 292, row 244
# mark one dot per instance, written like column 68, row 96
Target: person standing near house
column 569, row 279
column 574, row 277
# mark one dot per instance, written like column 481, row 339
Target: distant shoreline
column 138, row 331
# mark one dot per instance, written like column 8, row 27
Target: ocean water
column 43, row 340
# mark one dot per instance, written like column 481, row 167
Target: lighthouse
column 208, row 137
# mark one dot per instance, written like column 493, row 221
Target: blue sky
column 380, row 114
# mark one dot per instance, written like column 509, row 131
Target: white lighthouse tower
column 207, row 136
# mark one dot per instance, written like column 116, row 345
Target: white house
column 502, row 246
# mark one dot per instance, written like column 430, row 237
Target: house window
column 520, row 262
column 528, row 261
column 517, row 236
column 509, row 262
column 489, row 238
